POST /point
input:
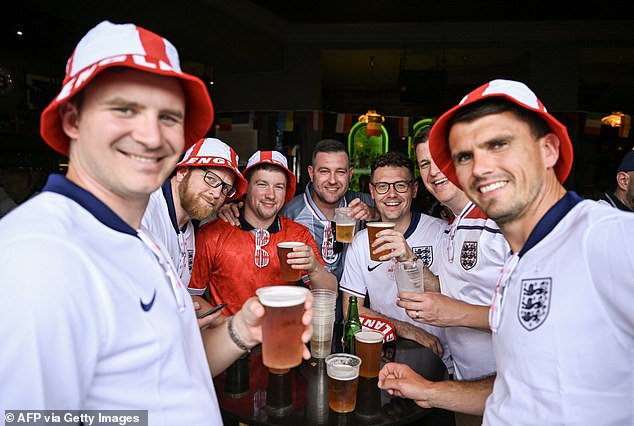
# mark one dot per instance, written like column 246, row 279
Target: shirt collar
column 308, row 198
column 276, row 226
column 171, row 208
column 552, row 217
column 413, row 224
column 61, row 185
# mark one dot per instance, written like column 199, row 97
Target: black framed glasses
column 214, row 181
column 399, row 186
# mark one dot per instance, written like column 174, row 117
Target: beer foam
column 290, row 244
column 343, row 366
column 280, row 296
column 380, row 224
column 369, row 336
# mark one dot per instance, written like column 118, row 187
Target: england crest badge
column 534, row 302
column 469, row 255
column 425, row 254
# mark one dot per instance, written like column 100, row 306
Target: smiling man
column 562, row 306
column 107, row 314
column 413, row 239
column 206, row 177
column 234, row 261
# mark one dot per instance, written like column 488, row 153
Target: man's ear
column 310, row 172
column 69, row 115
column 623, row 181
column 551, row 150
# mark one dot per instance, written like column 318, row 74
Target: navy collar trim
column 276, row 226
column 61, row 185
column 550, row 220
column 413, row 224
column 171, row 209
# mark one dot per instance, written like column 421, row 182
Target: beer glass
column 345, row 225
column 282, row 327
column 287, row 273
column 373, row 228
column 368, row 345
column 343, row 379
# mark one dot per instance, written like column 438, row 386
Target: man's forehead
column 272, row 175
column 324, row 159
column 390, row 171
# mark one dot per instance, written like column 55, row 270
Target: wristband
column 234, row 336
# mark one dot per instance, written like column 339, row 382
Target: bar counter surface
column 249, row 394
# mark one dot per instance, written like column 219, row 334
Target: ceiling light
column 614, row 120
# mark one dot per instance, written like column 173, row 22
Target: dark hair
column 393, row 159
column 422, row 136
column 329, row 145
column 488, row 106
column 264, row 166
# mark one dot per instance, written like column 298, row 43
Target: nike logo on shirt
column 370, row 269
column 147, row 306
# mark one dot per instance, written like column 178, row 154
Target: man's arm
column 246, row 327
column 403, row 329
column 467, row 397
column 443, row 311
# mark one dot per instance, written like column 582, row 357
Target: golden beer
column 368, row 345
column 282, row 327
column 345, row 232
column 342, row 394
column 343, row 380
column 373, row 229
column 287, row 273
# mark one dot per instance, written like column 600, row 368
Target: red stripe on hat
column 153, row 44
column 266, row 155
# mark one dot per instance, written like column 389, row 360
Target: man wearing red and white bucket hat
column 234, row 261
column 562, row 305
column 206, row 176
column 105, row 307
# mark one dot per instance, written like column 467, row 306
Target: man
column 206, row 177
column 470, row 258
column 393, row 187
column 623, row 197
column 561, row 318
column 330, row 175
column 235, row 261
column 105, row 307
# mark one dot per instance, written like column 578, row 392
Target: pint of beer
column 282, row 327
column 373, row 228
column 345, row 224
column 343, row 379
column 368, row 345
column 286, row 272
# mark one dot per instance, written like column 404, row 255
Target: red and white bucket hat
column 513, row 91
column 278, row 159
column 211, row 152
column 126, row 45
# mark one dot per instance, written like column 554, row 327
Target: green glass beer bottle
column 351, row 325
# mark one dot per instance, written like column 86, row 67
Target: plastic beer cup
column 373, row 228
column 282, row 327
column 368, row 345
column 287, row 273
column 345, row 225
column 343, row 380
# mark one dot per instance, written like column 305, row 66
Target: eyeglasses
column 262, row 238
column 400, row 186
column 214, row 181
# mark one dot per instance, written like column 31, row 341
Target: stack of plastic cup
column 324, row 302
